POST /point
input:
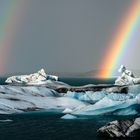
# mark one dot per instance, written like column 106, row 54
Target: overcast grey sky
column 66, row 35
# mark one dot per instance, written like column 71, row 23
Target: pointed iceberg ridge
column 32, row 79
column 127, row 77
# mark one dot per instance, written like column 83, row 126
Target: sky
column 64, row 35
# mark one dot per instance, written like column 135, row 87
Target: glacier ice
column 33, row 79
column 108, row 106
column 18, row 99
column 89, row 96
column 40, row 91
column 127, row 77
column 68, row 116
column 67, row 110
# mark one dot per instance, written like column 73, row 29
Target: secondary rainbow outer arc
column 11, row 17
column 120, row 42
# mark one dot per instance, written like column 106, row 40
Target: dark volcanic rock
column 61, row 87
column 125, row 128
column 94, row 88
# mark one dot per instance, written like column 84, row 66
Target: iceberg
column 111, row 107
column 107, row 103
column 33, row 79
column 39, row 91
column 67, row 110
column 68, row 116
column 127, row 77
column 19, row 99
column 25, row 98
column 88, row 96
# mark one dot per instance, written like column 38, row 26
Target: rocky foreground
column 125, row 128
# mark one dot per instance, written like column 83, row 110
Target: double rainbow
column 120, row 43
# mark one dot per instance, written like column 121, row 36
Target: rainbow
column 12, row 14
column 120, row 43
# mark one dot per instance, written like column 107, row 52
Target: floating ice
column 7, row 120
column 123, row 98
column 18, row 99
column 67, row 110
column 127, row 77
column 107, row 105
column 89, row 96
column 33, row 79
column 68, row 116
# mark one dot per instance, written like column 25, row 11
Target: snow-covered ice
column 127, row 77
column 18, row 99
column 32, row 79
column 75, row 101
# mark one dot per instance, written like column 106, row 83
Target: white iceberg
column 127, row 77
column 33, row 79
column 67, row 110
column 18, row 99
column 68, row 116
column 110, row 106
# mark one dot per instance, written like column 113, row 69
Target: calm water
column 50, row 126
column 84, row 81
column 47, row 126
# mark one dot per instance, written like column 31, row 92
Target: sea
column 50, row 126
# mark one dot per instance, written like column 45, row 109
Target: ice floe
column 32, row 79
